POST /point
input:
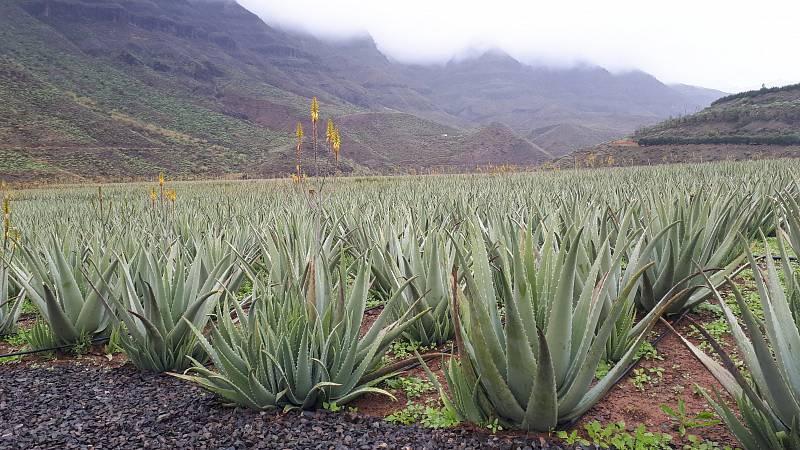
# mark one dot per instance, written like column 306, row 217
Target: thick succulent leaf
column 60, row 324
column 541, row 412
column 94, row 309
column 559, row 328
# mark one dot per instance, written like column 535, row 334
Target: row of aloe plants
column 535, row 302
column 766, row 388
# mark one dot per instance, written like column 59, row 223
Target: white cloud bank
column 729, row 45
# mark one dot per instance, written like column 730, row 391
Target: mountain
column 120, row 89
column 495, row 87
column 698, row 95
column 418, row 143
column 560, row 139
column 756, row 124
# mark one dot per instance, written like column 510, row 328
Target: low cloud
column 729, row 45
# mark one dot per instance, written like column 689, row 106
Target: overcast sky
column 730, row 45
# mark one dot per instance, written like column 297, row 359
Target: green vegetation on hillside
column 756, row 93
column 779, row 139
column 766, row 116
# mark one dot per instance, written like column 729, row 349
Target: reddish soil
column 96, row 357
column 624, row 402
column 370, row 316
column 382, row 406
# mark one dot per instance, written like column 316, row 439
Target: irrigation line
column 43, row 350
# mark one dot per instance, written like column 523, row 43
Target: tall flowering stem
column 329, row 130
column 161, row 181
column 153, row 198
column 298, row 153
column 336, row 144
column 6, row 219
column 314, row 120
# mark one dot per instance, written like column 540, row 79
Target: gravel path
column 71, row 406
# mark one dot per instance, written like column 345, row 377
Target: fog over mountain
column 730, row 45
column 117, row 88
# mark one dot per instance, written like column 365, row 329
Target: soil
column 67, row 406
column 370, row 316
column 60, row 394
column 624, row 402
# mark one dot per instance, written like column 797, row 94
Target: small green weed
column 642, row 377
column 614, row 435
column 406, row 349
column 15, row 340
column 648, row 352
column 413, row 387
column 572, row 438
column 602, row 370
column 696, row 443
column 427, row 415
column 83, row 345
column 494, row 426
column 684, row 422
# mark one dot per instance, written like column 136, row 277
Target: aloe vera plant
column 300, row 344
column 10, row 304
column 770, row 402
column 288, row 245
column 789, row 233
column 67, row 285
column 161, row 299
column 626, row 329
column 531, row 365
column 696, row 233
column 428, row 267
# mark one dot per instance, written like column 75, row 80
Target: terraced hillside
column 766, row 116
column 761, row 124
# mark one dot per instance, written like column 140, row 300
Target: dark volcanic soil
column 74, row 406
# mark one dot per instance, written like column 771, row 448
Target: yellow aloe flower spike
column 314, row 110
column 336, row 143
column 298, row 153
column 329, row 132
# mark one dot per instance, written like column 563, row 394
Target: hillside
column 756, row 124
column 767, row 116
column 420, row 144
column 113, row 89
column 494, row 87
column 699, row 94
column 560, row 139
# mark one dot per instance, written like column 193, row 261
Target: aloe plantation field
column 636, row 308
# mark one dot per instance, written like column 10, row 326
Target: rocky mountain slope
column 113, row 89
